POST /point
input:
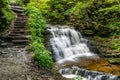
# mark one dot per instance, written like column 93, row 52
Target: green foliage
column 19, row 2
column 98, row 16
column 43, row 59
column 115, row 44
column 102, row 17
column 16, row 2
column 41, row 5
column 112, row 18
column 112, row 1
column 36, row 24
column 78, row 78
column 6, row 15
column 59, row 9
column 79, row 8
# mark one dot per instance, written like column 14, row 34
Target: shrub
column 115, row 44
column 59, row 8
column 6, row 15
column 78, row 78
column 36, row 24
column 102, row 17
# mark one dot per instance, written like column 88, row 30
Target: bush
column 19, row 2
column 115, row 44
column 36, row 24
column 102, row 17
column 41, row 5
column 59, row 9
column 6, row 15
column 78, row 78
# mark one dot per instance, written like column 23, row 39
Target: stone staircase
column 18, row 32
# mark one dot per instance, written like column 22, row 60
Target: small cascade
column 86, row 74
column 68, row 44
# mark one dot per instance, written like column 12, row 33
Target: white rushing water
column 68, row 44
column 86, row 74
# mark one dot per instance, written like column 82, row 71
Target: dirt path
column 16, row 59
column 13, row 63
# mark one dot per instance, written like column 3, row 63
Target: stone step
column 13, row 34
column 20, row 45
column 19, row 27
column 117, row 55
column 21, row 15
column 18, row 32
column 20, row 24
column 21, row 18
column 17, row 10
column 17, row 7
column 20, row 41
column 114, row 60
column 5, row 38
column 23, row 37
column 6, row 45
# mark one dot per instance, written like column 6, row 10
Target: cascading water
column 87, row 75
column 68, row 44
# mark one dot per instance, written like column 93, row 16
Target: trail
column 16, row 61
column 13, row 51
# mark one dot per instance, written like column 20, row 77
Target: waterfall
column 86, row 74
column 68, row 44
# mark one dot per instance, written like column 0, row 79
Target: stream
column 69, row 46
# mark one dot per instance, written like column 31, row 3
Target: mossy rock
column 88, row 32
column 114, row 60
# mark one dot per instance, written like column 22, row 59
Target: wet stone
column 5, row 45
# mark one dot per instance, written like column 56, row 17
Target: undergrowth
column 115, row 44
column 6, row 15
column 36, row 24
